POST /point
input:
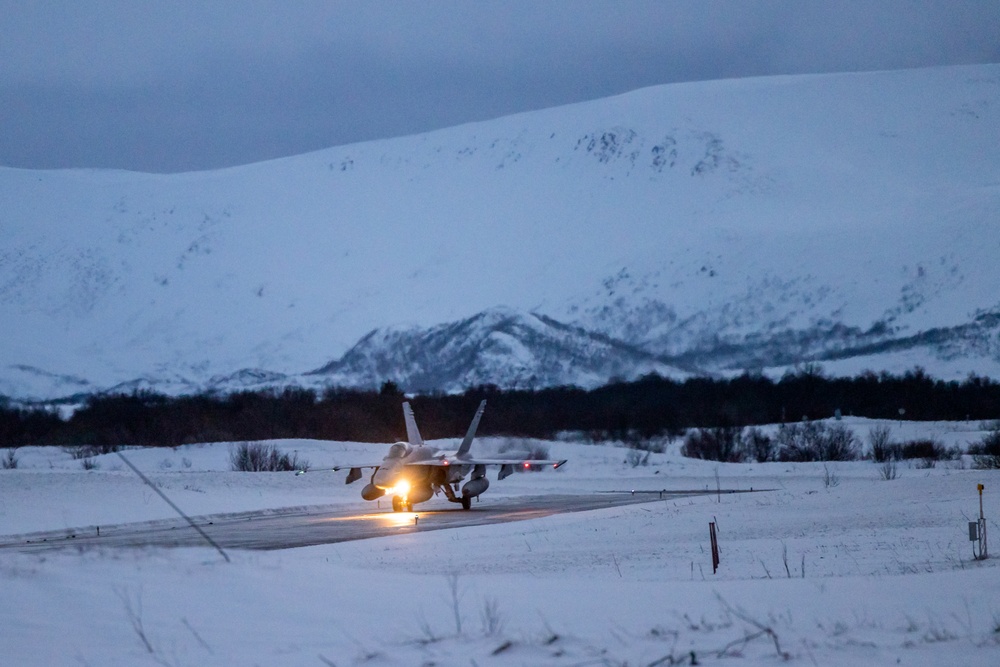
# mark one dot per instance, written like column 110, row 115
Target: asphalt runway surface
column 302, row 527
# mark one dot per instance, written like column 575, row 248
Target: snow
column 739, row 207
column 878, row 572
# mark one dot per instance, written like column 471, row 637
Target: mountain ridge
column 722, row 226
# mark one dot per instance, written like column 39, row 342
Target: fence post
column 715, row 546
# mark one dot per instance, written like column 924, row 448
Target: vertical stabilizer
column 412, row 434
column 467, row 442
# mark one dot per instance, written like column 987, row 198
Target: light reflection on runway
column 395, row 519
column 388, row 519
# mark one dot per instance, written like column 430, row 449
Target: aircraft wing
column 468, row 461
column 507, row 466
column 514, row 462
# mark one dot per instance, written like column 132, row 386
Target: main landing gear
column 452, row 495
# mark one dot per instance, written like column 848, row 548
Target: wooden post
column 715, row 546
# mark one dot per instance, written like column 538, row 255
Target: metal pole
column 983, row 548
column 176, row 508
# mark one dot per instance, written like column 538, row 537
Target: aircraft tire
column 466, row 503
column 397, row 504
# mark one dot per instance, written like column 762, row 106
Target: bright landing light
column 402, row 489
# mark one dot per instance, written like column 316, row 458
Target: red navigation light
column 526, row 465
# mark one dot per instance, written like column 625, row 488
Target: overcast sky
column 179, row 85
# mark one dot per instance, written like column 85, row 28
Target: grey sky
column 166, row 86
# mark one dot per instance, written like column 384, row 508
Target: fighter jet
column 413, row 473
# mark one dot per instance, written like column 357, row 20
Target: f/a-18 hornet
column 413, row 473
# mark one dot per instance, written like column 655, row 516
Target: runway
column 302, row 527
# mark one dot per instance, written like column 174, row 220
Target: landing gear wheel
column 466, row 503
column 397, row 504
column 407, row 507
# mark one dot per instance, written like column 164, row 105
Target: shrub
column 263, row 457
column 87, row 451
column 880, row 439
column 640, row 449
column 887, row 470
column 636, row 458
column 654, row 445
column 9, row 460
column 929, row 450
column 714, row 444
column 986, row 453
column 830, row 478
column 728, row 444
column 794, row 442
column 838, row 443
column 815, row 441
column 758, row 446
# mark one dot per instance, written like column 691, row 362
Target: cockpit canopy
column 397, row 451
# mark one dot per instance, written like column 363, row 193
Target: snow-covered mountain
column 499, row 346
column 851, row 220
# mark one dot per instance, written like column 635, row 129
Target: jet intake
column 474, row 487
column 372, row 492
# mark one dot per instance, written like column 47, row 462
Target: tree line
column 645, row 408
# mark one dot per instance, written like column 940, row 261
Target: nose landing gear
column 400, row 504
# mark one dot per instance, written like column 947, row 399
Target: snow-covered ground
column 830, row 565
